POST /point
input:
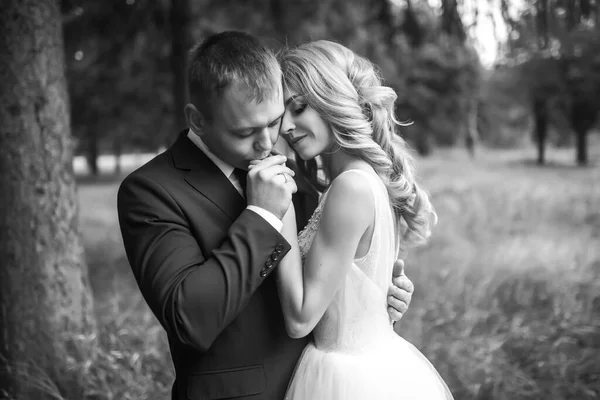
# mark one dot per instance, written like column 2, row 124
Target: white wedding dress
column 355, row 353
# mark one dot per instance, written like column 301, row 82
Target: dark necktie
column 241, row 175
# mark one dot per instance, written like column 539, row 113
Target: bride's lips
column 296, row 140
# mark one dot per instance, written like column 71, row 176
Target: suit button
column 275, row 256
column 279, row 248
column 269, row 263
column 263, row 273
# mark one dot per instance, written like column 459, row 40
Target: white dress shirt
column 228, row 172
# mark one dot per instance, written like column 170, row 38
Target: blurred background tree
column 126, row 61
column 126, row 65
column 554, row 50
column 120, row 75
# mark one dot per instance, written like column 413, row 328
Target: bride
column 335, row 279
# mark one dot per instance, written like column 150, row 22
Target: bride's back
column 357, row 315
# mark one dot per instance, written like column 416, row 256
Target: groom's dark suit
column 203, row 263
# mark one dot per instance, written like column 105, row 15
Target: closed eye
column 275, row 123
column 246, row 133
column 299, row 109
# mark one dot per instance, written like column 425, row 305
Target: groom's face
column 242, row 129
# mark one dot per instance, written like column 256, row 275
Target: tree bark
column 44, row 292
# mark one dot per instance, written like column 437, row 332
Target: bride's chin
column 303, row 156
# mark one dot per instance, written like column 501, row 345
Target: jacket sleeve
column 194, row 295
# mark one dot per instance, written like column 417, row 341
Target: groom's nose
column 264, row 143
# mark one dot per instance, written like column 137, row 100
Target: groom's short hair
column 226, row 58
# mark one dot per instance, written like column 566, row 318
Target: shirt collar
column 222, row 165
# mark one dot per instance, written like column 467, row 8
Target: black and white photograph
column 300, row 200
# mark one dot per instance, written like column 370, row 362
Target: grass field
column 507, row 301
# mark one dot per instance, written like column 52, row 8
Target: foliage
column 582, row 76
column 504, row 118
column 554, row 45
column 118, row 73
column 440, row 83
column 121, row 80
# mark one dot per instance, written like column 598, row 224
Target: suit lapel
column 206, row 177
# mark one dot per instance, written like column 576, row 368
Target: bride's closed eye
column 298, row 108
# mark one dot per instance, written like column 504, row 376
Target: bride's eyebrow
column 293, row 98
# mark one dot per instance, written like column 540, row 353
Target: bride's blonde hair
column 347, row 92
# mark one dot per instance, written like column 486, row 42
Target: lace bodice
column 358, row 311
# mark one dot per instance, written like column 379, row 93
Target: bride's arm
column 306, row 291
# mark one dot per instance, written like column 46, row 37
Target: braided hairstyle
column 347, row 91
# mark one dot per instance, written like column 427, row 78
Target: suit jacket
column 203, row 264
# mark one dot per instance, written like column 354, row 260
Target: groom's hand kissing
column 271, row 185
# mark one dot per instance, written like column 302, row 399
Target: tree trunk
column 582, row 153
column 423, row 144
column 583, row 118
column 180, row 42
column 277, row 11
column 92, row 151
column 411, row 26
column 541, row 128
column 451, row 21
column 472, row 136
column 45, row 299
column 118, row 151
column 543, row 23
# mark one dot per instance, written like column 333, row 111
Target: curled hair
column 346, row 90
column 226, row 58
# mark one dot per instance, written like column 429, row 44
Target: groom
column 203, row 238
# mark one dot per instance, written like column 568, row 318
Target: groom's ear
column 194, row 118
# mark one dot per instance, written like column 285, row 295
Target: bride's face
column 304, row 129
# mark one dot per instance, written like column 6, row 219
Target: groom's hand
column 400, row 292
column 271, row 185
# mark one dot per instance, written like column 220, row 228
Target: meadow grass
column 507, row 300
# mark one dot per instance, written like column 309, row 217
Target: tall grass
column 132, row 359
column 507, row 301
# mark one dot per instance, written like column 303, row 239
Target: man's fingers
column 400, row 294
column 394, row 315
column 398, row 268
column 274, row 170
column 397, row 305
column 268, row 162
column 403, row 283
